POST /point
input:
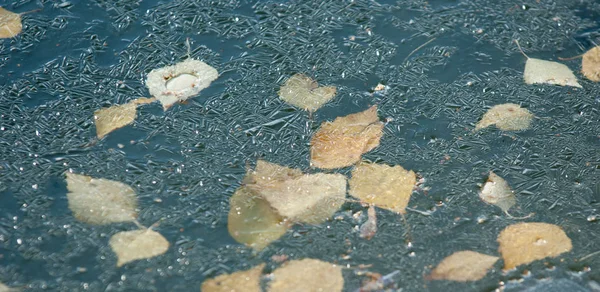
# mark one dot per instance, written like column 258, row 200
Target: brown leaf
column 242, row 281
column 384, row 186
column 369, row 228
column 342, row 142
column 10, row 24
column 496, row 191
column 463, row 266
column 523, row 243
column 507, row 117
column 307, row 275
column 303, row 92
column 100, row 201
column 137, row 244
column 590, row 64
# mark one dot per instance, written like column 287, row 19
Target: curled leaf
column 463, row 266
column 342, row 142
column 242, row 281
column 305, row 93
column 507, row 117
column 590, row 64
column 137, row 244
column 307, row 275
column 523, row 243
column 384, row 186
column 10, row 24
column 100, row 201
column 369, row 228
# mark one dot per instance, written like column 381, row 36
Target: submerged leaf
column 307, row 275
column 252, row 221
column 242, row 281
column 342, row 142
column 496, row 191
column 463, row 266
column 137, row 244
column 10, row 24
column 179, row 82
column 118, row 116
column 507, row 117
column 590, row 64
column 541, row 71
column 384, row 186
column 523, row 243
column 303, row 92
column 100, row 201
column 369, row 228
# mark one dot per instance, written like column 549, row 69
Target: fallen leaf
column 590, row 64
column 252, row 221
column 118, row 116
column 268, row 174
column 507, row 117
column 100, row 201
column 307, row 275
column 496, row 191
column 179, row 82
column 384, row 186
column 523, row 243
column 137, row 244
column 542, row 71
column 305, row 93
column 463, row 266
column 342, row 142
column 381, row 283
column 242, row 281
column 10, row 24
column 369, row 228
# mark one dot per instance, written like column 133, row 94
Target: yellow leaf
column 100, row 201
column 118, row 116
column 507, row 117
column 523, row 243
column 463, row 266
column 541, row 71
column 307, row 275
column 10, row 24
column 305, row 93
column 342, row 142
column 496, row 191
column 590, row 64
column 242, row 281
column 384, row 186
column 252, row 221
column 137, row 244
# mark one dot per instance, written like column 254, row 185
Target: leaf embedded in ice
column 590, row 64
column 270, row 174
column 463, row 266
column 137, row 244
column 179, row 82
column 307, row 275
column 303, row 92
column 252, row 221
column 369, row 228
column 100, row 201
column 4, row 288
column 523, row 243
column 342, row 142
column 506, row 117
column 118, row 116
column 496, row 191
column 242, row 281
column 10, row 24
column 541, row 71
column 387, row 187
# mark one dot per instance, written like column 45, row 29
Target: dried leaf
column 242, row 281
column 252, row 221
column 100, row 201
column 181, row 81
column 118, row 116
column 10, row 24
column 307, row 275
column 541, row 71
column 342, row 142
column 268, row 174
column 137, row 244
column 496, row 191
column 384, row 186
column 507, row 117
column 523, row 243
column 303, row 92
column 463, row 266
column 369, row 228
column 590, row 64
